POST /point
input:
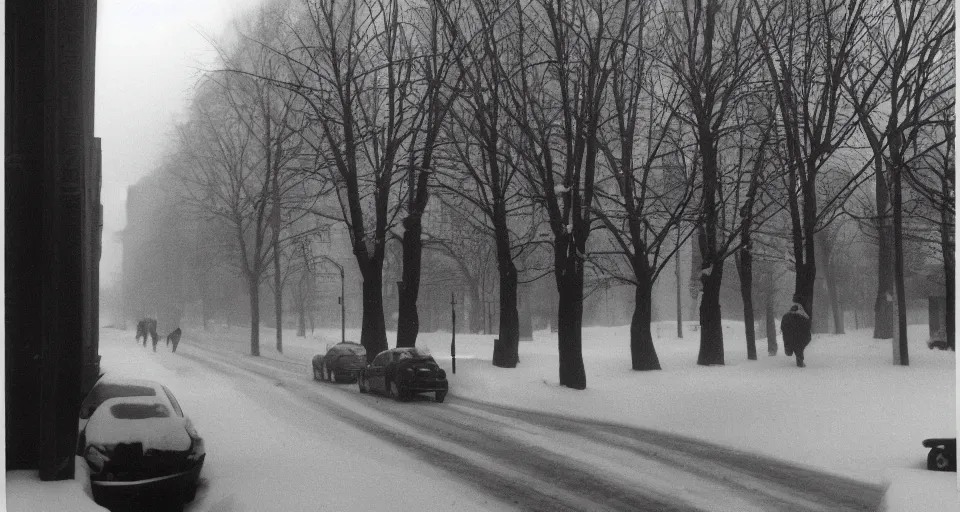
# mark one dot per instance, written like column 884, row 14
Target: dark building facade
column 52, row 229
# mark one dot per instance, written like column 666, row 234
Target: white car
column 141, row 448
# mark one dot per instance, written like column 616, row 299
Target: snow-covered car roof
column 113, row 387
column 347, row 347
column 413, row 351
column 142, row 419
column 401, row 353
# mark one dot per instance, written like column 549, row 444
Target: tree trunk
column 711, row 275
column 408, row 319
column 898, row 261
column 711, row 326
column 506, row 348
column 301, row 316
column 476, row 307
column 771, row 321
column 373, row 333
column 832, row 295
column 806, row 279
column 278, row 298
column 696, row 265
column 882, row 306
column 643, row 355
column 679, row 292
column 569, row 276
column 948, row 272
column 254, row 285
column 745, row 271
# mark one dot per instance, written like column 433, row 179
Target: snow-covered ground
column 266, row 451
column 850, row 411
column 916, row 489
column 26, row 493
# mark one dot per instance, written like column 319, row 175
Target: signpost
column 453, row 341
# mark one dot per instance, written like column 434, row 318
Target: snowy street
column 268, row 429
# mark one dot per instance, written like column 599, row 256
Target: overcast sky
column 148, row 56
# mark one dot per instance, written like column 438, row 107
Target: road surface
column 537, row 461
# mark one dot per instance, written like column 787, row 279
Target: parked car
column 142, row 449
column 404, row 372
column 112, row 387
column 341, row 363
column 942, row 455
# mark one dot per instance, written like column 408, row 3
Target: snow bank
column 850, row 411
column 910, row 490
column 27, row 493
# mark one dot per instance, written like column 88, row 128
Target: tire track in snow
column 754, row 473
column 519, row 476
column 547, row 462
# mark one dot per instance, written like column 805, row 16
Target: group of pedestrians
column 147, row 328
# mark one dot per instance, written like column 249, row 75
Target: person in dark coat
column 795, row 327
column 147, row 328
column 174, row 337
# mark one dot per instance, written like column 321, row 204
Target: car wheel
column 939, row 460
column 440, row 396
column 360, row 384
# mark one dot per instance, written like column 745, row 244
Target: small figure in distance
column 174, row 337
column 795, row 327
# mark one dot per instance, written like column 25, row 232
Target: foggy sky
column 149, row 53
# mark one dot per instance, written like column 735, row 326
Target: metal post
column 453, row 341
column 343, row 309
column 679, row 300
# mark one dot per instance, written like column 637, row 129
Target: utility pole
column 453, row 341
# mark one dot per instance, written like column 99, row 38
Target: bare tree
column 807, row 50
column 555, row 99
column 643, row 152
column 902, row 94
column 712, row 60
column 272, row 114
column 934, row 180
column 483, row 167
column 222, row 177
column 350, row 63
column 432, row 96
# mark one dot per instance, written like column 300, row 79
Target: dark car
column 943, row 453
column 404, row 372
column 142, row 450
column 341, row 363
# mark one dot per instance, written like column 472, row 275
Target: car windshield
column 412, row 353
column 133, row 411
column 104, row 392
